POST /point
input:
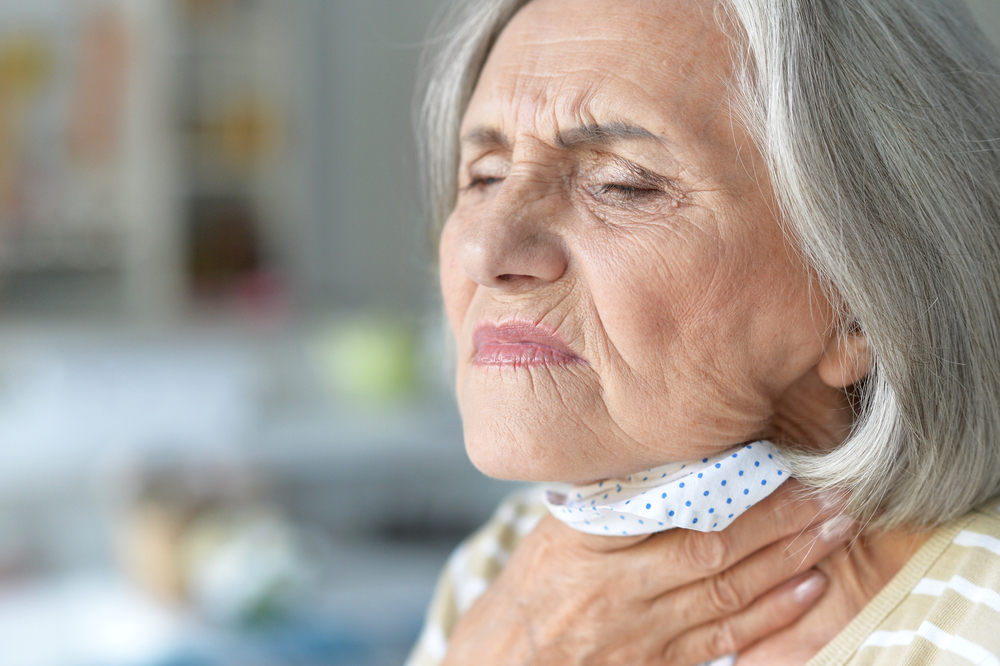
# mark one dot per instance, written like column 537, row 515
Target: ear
column 846, row 360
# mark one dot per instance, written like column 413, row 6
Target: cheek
column 695, row 317
column 456, row 288
column 654, row 288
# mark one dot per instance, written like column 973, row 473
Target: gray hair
column 880, row 124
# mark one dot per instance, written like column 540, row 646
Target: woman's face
column 618, row 285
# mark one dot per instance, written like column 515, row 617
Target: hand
column 678, row 597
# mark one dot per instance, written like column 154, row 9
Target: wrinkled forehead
column 662, row 64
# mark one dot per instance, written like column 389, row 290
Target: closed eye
column 625, row 192
column 483, row 182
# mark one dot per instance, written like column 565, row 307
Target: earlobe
column 846, row 361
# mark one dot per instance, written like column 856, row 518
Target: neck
column 812, row 414
column 819, row 417
column 857, row 572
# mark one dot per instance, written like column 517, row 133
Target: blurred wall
column 247, row 152
column 377, row 241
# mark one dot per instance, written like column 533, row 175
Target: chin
column 517, row 426
column 505, row 451
column 555, row 427
column 551, row 448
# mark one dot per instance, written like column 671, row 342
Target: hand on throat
column 857, row 573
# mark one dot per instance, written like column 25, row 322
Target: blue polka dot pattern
column 674, row 495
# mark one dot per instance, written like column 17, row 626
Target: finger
column 771, row 613
column 735, row 589
column 786, row 512
column 675, row 558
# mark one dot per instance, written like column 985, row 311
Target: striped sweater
column 943, row 607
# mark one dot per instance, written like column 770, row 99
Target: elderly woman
column 725, row 240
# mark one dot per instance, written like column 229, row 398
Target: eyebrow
column 585, row 135
column 588, row 135
column 487, row 137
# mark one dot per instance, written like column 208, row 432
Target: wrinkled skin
column 676, row 598
column 655, row 255
column 607, row 195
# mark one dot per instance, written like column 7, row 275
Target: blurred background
column 226, row 429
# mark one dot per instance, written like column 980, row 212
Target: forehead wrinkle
column 545, row 38
column 554, row 101
column 541, row 104
column 532, row 106
column 536, row 96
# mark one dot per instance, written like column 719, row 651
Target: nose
column 516, row 243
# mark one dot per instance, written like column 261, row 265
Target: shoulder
column 472, row 567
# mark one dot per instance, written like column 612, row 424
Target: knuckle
column 722, row 639
column 673, row 653
column 724, row 595
column 706, row 551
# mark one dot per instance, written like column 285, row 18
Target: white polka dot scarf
column 705, row 496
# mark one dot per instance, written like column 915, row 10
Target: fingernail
column 807, row 591
column 835, row 528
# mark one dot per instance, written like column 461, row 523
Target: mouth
column 520, row 344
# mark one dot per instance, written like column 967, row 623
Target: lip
column 520, row 344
